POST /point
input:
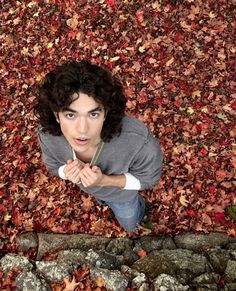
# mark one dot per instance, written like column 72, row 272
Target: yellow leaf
column 142, row 49
column 50, row 45
column 183, row 201
column 156, row 5
column 190, row 110
column 115, row 59
column 196, row 93
column 212, row 15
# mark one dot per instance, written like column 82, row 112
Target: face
column 81, row 123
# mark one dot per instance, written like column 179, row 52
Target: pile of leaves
column 176, row 60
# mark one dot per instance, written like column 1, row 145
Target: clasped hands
column 75, row 171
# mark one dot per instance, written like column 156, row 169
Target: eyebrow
column 98, row 108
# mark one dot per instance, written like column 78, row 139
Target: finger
column 85, row 182
column 72, row 173
column 94, row 168
column 76, row 179
column 70, row 167
column 86, row 179
column 89, row 171
column 69, row 162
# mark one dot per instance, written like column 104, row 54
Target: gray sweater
column 135, row 151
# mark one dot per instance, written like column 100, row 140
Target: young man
column 86, row 137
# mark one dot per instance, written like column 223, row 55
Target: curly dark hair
column 58, row 86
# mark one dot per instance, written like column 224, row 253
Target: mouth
column 81, row 141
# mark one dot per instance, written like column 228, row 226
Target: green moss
column 231, row 211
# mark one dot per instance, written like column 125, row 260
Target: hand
column 72, row 170
column 90, row 176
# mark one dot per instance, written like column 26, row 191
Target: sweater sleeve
column 48, row 157
column 147, row 164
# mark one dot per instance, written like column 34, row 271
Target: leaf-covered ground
column 176, row 60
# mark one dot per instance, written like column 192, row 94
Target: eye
column 70, row 115
column 94, row 114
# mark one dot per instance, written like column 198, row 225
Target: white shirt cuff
column 61, row 172
column 131, row 183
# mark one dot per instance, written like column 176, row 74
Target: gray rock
column 123, row 246
column 27, row 240
column 103, row 260
column 230, row 271
column 11, row 261
column 233, row 255
column 28, row 281
column 117, row 246
column 205, row 287
column 52, row 242
column 129, row 257
column 154, row 264
column 139, row 281
column 165, row 282
column 183, row 264
column 114, row 280
column 231, row 246
column 144, row 287
column 229, row 287
column 218, row 259
column 206, row 278
column 129, row 272
column 99, row 259
column 197, row 242
column 150, row 243
column 54, row 271
column 72, row 256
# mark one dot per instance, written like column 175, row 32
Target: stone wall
column 184, row 262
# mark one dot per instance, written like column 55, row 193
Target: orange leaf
column 99, row 282
column 141, row 253
column 221, row 174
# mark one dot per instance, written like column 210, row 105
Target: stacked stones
column 184, row 262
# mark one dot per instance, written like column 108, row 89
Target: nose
column 82, row 125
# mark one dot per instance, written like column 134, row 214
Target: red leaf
column 178, row 37
column 111, row 3
column 16, row 217
column 191, row 212
column 212, row 189
column 56, row 211
column 139, row 16
column 2, row 208
column 218, row 217
column 203, row 152
column 233, row 105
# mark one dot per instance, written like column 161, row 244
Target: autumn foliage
column 176, row 60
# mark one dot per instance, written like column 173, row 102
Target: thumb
column 94, row 168
column 69, row 162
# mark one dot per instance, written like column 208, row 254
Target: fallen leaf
column 183, row 201
column 70, row 285
column 99, row 282
column 141, row 253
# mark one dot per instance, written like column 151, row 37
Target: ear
column 105, row 114
column 56, row 116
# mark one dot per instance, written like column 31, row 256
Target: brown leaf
column 70, row 285
column 87, row 203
